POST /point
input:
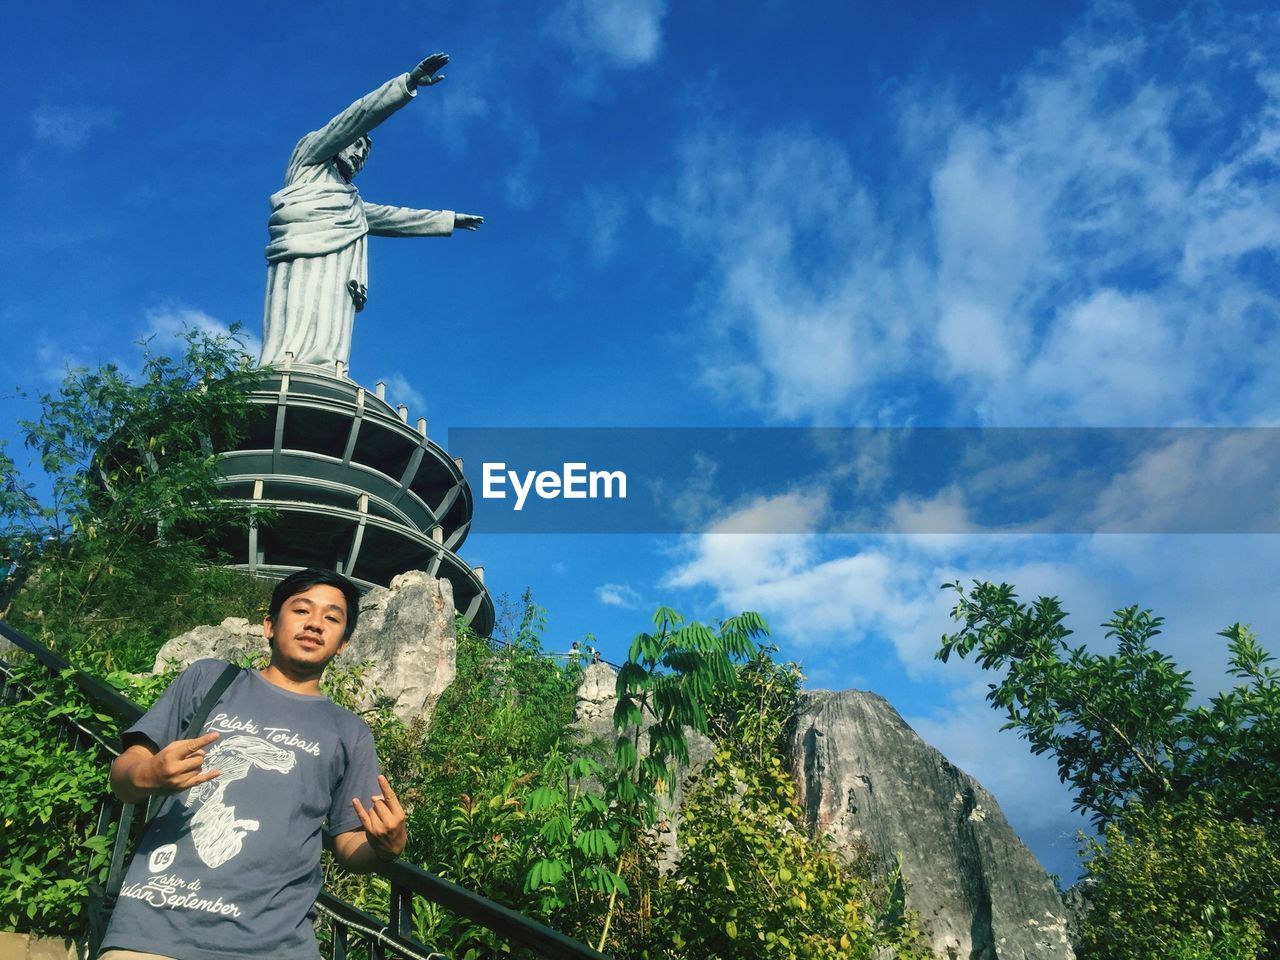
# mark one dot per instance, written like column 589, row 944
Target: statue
column 317, row 266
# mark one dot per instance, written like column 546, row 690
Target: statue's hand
column 466, row 221
column 424, row 74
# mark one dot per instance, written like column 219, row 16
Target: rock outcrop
column 409, row 633
column 235, row 639
column 406, row 631
column 866, row 778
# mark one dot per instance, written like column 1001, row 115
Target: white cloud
column 1206, row 481
column 400, row 390
column 600, row 215
column 616, row 33
column 945, row 511
column 1085, row 250
column 619, row 595
column 1112, row 343
column 166, row 324
column 803, row 310
column 69, row 128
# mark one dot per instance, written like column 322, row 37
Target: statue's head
column 351, row 158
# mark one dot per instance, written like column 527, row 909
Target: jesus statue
column 317, row 266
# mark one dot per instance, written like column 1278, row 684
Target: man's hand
column 466, row 221
column 140, row 772
column 424, row 74
column 383, row 822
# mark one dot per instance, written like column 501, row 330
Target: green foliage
column 465, row 778
column 133, row 483
column 1121, row 726
column 1183, row 882
column 751, row 881
column 505, row 711
column 1188, row 865
column 51, row 789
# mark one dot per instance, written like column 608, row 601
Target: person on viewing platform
column 230, row 865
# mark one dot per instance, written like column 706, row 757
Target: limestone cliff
column 866, row 777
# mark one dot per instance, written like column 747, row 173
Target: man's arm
column 381, row 840
column 142, row 770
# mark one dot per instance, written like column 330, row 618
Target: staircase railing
column 349, row 924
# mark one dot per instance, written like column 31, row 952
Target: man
column 317, row 273
column 230, row 866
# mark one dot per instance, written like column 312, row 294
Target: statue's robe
column 317, row 238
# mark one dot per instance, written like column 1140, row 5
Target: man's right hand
column 140, row 772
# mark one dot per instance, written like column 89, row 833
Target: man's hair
column 304, row 580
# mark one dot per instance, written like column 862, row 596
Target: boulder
column 407, row 631
column 410, row 634
column 866, row 778
column 235, row 639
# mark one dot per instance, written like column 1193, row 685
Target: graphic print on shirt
column 215, row 829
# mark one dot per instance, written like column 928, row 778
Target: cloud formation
column 618, row 595
column 1094, row 243
column 615, row 33
column 69, row 128
column 166, row 324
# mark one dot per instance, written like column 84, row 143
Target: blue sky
column 704, row 215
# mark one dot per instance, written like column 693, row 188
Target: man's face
column 309, row 630
column 351, row 159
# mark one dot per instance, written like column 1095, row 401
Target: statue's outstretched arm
column 385, row 221
column 367, row 112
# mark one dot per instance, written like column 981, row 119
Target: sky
column 704, row 215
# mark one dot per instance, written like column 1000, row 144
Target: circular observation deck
column 353, row 487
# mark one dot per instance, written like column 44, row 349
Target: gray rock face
column 233, row 639
column 865, row 777
column 597, row 695
column 407, row 631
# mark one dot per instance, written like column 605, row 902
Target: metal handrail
column 407, row 881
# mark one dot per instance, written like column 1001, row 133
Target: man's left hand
column 383, row 822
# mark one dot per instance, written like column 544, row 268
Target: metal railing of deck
column 380, row 937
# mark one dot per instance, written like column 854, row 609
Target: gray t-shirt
column 231, row 867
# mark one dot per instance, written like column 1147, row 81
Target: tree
column 1188, row 865
column 1180, row 881
column 117, row 547
column 751, row 880
column 663, row 689
column 1122, row 726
